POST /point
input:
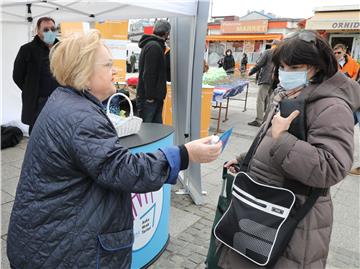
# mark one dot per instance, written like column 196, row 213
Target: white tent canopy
column 18, row 11
column 189, row 23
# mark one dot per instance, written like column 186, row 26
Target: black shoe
column 254, row 123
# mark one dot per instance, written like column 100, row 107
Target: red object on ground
column 132, row 81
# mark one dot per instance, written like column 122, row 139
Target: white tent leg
column 187, row 87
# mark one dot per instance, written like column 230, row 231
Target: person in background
column 132, row 62
column 168, row 64
column 356, row 170
column 308, row 70
column 151, row 89
column 205, row 67
column 243, row 65
column 32, row 72
column 347, row 65
column 220, row 62
column 264, row 68
column 229, row 62
column 72, row 206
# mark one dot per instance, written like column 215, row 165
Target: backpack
column 10, row 136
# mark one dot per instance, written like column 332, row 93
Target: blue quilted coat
column 73, row 206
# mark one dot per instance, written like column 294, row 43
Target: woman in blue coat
column 73, row 205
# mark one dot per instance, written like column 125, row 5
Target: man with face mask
column 347, row 65
column 32, row 71
column 151, row 89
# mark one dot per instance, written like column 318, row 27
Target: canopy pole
column 187, row 88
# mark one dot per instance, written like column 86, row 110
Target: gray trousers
column 262, row 101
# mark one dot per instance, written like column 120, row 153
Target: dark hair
column 161, row 28
column 228, row 50
column 307, row 47
column 43, row 19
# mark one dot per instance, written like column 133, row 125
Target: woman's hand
column 230, row 165
column 280, row 124
column 201, row 151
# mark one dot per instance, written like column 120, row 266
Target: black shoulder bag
column 261, row 219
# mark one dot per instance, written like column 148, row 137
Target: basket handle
column 123, row 95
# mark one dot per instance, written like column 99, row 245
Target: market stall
column 189, row 23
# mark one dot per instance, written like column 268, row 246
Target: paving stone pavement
column 190, row 224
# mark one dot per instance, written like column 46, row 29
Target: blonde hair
column 72, row 59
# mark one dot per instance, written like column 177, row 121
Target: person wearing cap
column 32, row 71
column 151, row 89
column 265, row 67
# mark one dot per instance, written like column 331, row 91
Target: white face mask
column 293, row 80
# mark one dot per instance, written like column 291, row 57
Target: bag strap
column 309, row 203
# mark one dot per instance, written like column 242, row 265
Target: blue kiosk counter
column 150, row 210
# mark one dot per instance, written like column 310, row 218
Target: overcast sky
column 281, row 8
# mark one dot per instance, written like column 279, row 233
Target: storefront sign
column 333, row 25
column 235, row 27
column 346, row 25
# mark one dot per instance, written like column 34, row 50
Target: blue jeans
column 150, row 111
column 357, row 116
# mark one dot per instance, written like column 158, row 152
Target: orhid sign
column 333, row 25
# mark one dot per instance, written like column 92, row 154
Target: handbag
column 261, row 218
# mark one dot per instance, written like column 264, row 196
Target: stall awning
column 243, row 37
column 334, row 21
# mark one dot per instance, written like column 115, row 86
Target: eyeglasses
column 337, row 52
column 52, row 29
column 306, row 36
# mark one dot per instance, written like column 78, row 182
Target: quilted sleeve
column 97, row 152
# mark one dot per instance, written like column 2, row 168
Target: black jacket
column 26, row 75
column 152, row 68
column 73, row 201
column 265, row 67
column 229, row 63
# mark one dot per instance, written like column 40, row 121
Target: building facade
column 339, row 24
column 250, row 34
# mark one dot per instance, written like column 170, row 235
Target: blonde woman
column 73, row 206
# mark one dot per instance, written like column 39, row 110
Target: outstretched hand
column 202, row 151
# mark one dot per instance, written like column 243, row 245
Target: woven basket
column 124, row 126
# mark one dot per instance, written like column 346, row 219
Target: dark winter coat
column 229, row 63
column 265, row 67
column 26, row 75
column 322, row 161
column 152, row 68
column 73, row 201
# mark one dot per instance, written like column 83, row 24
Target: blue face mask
column 49, row 37
column 293, row 80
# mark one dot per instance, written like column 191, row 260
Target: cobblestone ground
column 189, row 249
